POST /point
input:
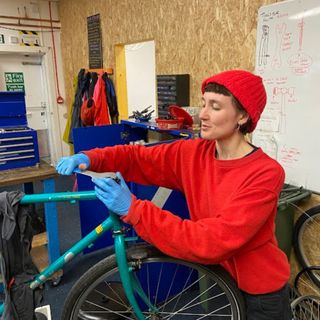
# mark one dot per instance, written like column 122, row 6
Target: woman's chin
column 205, row 135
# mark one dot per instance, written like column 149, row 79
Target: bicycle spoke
column 305, row 285
column 202, row 302
column 158, row 284
column 184, row 288
column 110, row 287
column 214, row 313
column 182, row 292
column 104, row 310
column 148, row 282
column 176, row 297
column 306, row 241
column 188, row 305
column 109, row 298
column 306, row 308
column 170, row 288
column 201, row 315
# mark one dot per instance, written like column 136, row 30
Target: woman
column 231, row 188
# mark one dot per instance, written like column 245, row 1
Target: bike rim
column 306, row 308
column 308, row 245
column 178, row 290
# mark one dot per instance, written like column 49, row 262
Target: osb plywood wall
column 198, row 37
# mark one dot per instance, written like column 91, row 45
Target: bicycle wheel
column 306, row 241
column 306, row 308
column 179, row 290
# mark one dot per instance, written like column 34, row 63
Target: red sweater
column 232, row 206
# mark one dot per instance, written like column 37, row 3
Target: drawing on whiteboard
column 289, row 156
column 300, row 62
column 280, row 31
column 263, row 49
column 267, row 143
column 270, row 121
column 285, row 93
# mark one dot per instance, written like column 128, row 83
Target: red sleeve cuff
column 133, row 215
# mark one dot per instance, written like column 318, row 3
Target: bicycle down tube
column 130, row 284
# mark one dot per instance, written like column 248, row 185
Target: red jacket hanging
column 101, row 111
column 95, row 111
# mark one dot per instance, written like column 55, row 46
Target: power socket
column 13, row 39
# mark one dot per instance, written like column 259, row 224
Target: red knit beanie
column 246, row 87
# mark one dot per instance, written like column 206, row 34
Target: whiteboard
column 288, row 60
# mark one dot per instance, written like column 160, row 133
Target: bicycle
column 306, row 243
column 134, row 282
column 306, row 308
column 305, row 304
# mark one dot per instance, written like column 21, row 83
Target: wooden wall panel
column 199, row 37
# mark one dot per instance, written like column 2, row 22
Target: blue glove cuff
column 83, row 158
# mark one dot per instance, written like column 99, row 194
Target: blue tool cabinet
column 94, row 212
column 18, row 143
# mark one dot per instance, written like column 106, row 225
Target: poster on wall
column 14, row 81
column 94, row 42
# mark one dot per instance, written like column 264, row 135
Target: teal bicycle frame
column 130, row 284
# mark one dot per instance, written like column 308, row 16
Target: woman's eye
column 212, row 105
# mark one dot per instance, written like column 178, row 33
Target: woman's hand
column 115, row 195
column 67, row 165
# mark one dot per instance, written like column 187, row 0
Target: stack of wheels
column 306, row 243
column 306, row 307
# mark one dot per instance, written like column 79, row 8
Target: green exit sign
column 14, row 81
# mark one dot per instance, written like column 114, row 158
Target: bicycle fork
column 130, row 283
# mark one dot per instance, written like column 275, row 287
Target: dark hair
column 218, row 88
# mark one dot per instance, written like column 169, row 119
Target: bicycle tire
column 308, row 226
column 212, row 291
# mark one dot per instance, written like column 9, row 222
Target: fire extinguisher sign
column 14, row 81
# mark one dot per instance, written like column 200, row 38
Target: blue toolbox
column 18, row 143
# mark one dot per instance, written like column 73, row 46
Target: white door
column 141, row 76
column 35, row 90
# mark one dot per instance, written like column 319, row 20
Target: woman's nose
column 203, row 113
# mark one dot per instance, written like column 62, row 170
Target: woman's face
column 219, row 117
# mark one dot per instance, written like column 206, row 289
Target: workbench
column 27, row 176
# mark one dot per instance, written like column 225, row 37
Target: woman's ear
column 243, row 118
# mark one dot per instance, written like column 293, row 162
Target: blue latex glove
column 67, row 165
column 115, row 195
